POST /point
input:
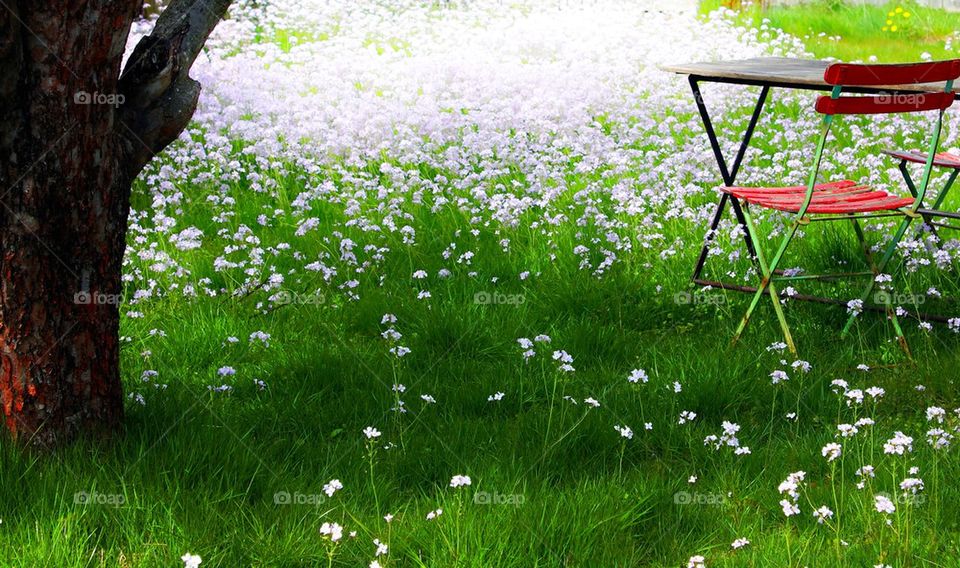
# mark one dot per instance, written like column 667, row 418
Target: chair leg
column 913, row 191
column 766, row 284
column 890, row 309
column 878, row 269
column 892, row 314
column 778, row 308
column 928, row 219
column 906, row 177
column 753, row 305
column 861, row 238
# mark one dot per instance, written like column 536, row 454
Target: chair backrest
column 881, row 78
column 842, row 75
column 855, row 75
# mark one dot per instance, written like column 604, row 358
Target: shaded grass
column 199, row 471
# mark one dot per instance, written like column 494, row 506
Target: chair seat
column 941, row 160
column 839, row 197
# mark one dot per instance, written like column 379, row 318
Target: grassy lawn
column 257, row 355
column 895, row 32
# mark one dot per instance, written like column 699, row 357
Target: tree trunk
column 73, row 137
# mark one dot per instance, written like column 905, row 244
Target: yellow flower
column 898, row 10
column 889, row 22
column 891, row 14
column 886, row 29
column 893, row 28
column 906, row 14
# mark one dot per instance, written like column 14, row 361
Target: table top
column 782, row 72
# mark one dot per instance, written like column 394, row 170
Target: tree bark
column 73, row 137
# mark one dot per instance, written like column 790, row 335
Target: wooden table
column 783, row 72
column 765, row 72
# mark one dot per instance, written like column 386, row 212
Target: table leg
column 729, row 174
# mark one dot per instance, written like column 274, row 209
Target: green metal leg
column 890, row 310
column 906, row 177
column 767, row 285
column 940, row 198
column 863, row 243
column 878, row 269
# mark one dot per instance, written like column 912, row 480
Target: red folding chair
column 943, row 160
column 847, row 200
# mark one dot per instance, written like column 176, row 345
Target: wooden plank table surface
column 782, row 72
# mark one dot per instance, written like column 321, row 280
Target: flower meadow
column 413, row 290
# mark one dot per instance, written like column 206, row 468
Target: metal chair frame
column 841, row 76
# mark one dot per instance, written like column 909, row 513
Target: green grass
column 849, row 32
column 201, row 472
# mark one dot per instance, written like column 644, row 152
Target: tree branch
column 201, row 16
column 149, row 131
column 160, row 96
